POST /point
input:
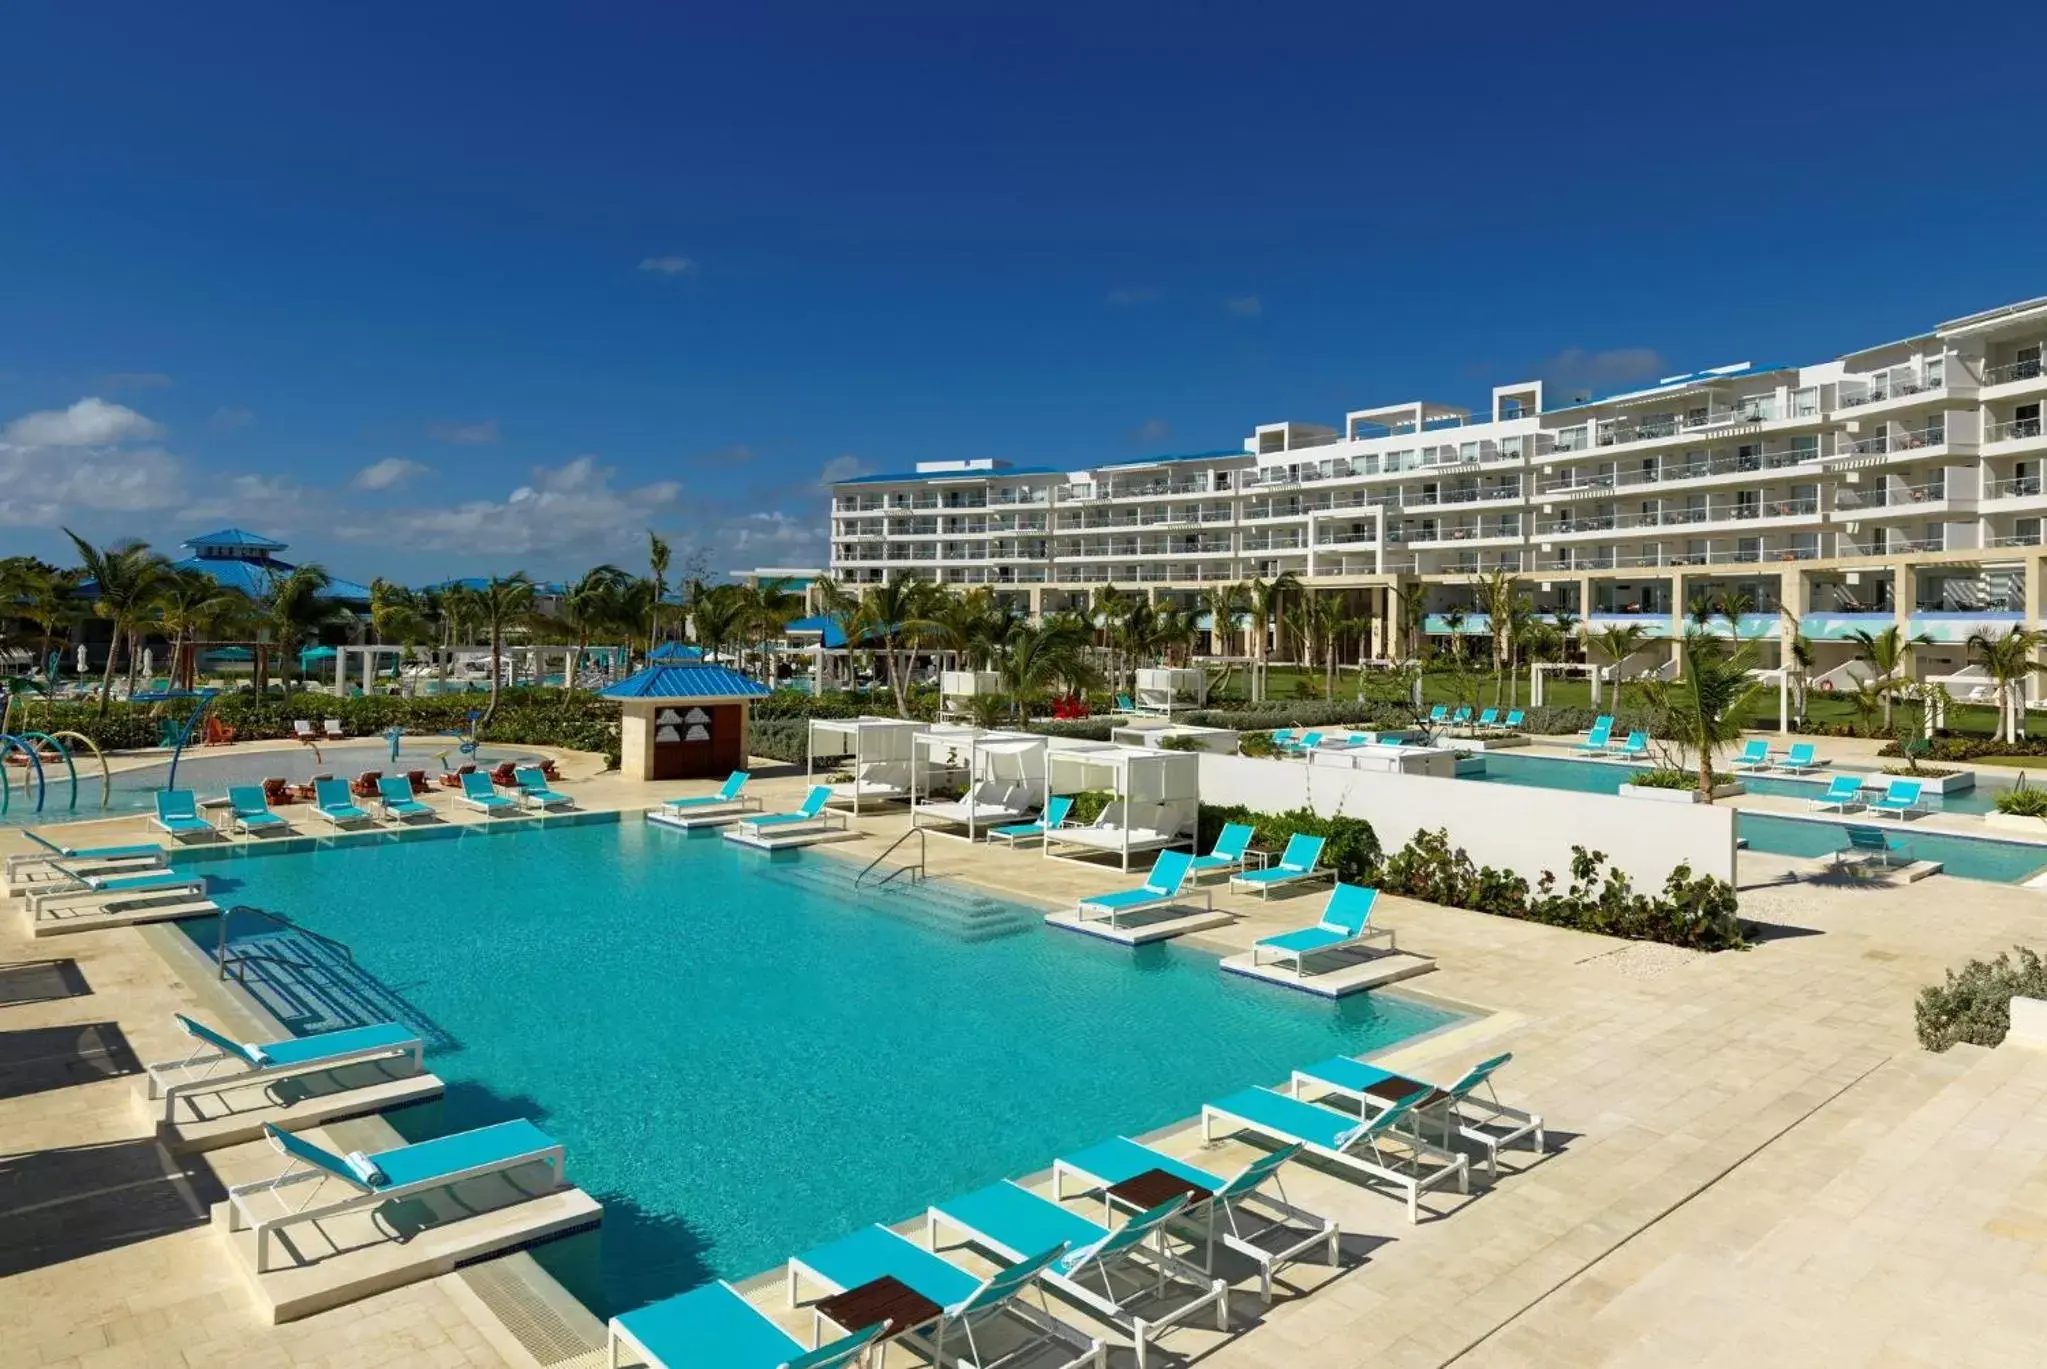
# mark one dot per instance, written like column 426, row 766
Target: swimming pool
column 743, row 1057
column 2004, row 862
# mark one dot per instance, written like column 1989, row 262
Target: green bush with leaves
column 2022, row 800
column 1974, row 1006
column 1257, row 745
column 1350, row 847
column 1667, row 778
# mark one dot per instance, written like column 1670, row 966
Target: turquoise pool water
column 2004, row 862
column 742, row 1057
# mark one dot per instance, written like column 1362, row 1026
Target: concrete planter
column 1649, row 795
column 2035, row 828
column 1945, row 784
column 1504, row 742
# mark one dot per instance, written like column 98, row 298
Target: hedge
column 1974, row 1006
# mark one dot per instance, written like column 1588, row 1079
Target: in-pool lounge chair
column 70, row 886
column 383, row 1176
column 958, row 1304
column 1754, row 758
column 1161, row 889
column 1900, row 800
column 812, row 813
column 1598, row 741
column 249, row 814
column 1056, row 810
column 1869, row 846
column 716, row 1325
column 731, row 794
column 331, row 800
column 1273, row 1235
column 177, row 813
column 1843, row 794
column 1344, row 1139
column 534, row 793
column 1799, row 760
column 478, row 793
column 220, row 1062
column 1009, row 1219
column 1295, row 864
column 1481, row 1119
column 26, row 866
column 1231, row 844
column 1346, row 921
column 394, row 796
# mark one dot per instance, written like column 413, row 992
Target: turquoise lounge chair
column 1056, row 810
column 1489, row 718
column 1439, row 715
column 1227, row 1209
column 1307, row 741
column 395, row 797
column 1342, row 1138
column 716, row 1325
column 1483, row 1120
column 480, row 794
column 249, row 814
column 1753, row 758
column 220, row 1062
column 1870, row 845
column 131, row 857
column 332, row 801
column 1296, row 863
column 177, row 813
column 965, row 1302
column 1635, row 748
column 1161, row 889
column 1462, row 717
column 1597, row 741
column 73, row 886
column 1282, row 737
column 812, row 813
column 1346, row 921
column 1799, row 760
column 1902, row 798
column 1843, row 793
column 1228, row 854
column 1125, row 704
column 1514, row 717
column 730, row 795
column 534, row 793
column 383, row 1176
column 1009, row 1219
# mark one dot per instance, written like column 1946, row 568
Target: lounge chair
column 1056, row 810
column 1484, row 1121
column 1282, row 737
column 102, row 860
column 1295, row 864
column 394, row 796
column 1439, row 715
column 1009, row 1219
column 990, row 803
column 1754, row 758
column 812, row 813
column 534, row 793
column 1799, row 760
column 335, row 731
column 963, row 1301
column 1125, row 704
column 1125, row 829
column 1513, row 719
column 366, row 785
column 1307, row 741
column 250, row 814
column 1231, row 844
column 382, row 1176
column 730, row 795
column 1343, row 1138
column 1843, row 794
column 716, row 1325
column 1901, row 799
column 1869, row 845
column 277, row 792
column 1462, row 717
column 177, row 813
column 1489, row 718
column 1598, row 741
column 418, row 780
column 1346, row 921
column 302, row 729
column 505, row 776
column 1273, row 1237
column 1161, row 889
column 478, row 793
column 1635, row 748
column 218, row 1061
column 72, row 886
column 331, row 801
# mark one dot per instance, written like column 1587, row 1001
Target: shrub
column 1668, row 779
column 1088, row 805
column 1974, row 1006
column 1267, row 716
column 1083, row 729
column 1350, row 846
column 1257, row 744
column 1923, row 772
column 2023, row 801
column 782, row 739
column 1971, row 749
column 1179, row 744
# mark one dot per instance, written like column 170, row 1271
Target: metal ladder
column 227, row 956
column 916, row 872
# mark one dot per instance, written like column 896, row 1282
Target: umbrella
column 228, row 653
column 316, row 653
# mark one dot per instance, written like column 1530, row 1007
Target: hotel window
column 1805, row 448
column 1935, row 372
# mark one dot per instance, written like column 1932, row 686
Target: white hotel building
column 1900, row 483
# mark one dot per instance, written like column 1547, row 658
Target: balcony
column 2018, row 487
column 1889, row 496
column 1855, row 392
column 1889, row 444
column 1671, row 472
column 1888, row 546
column 1276, row 541
column 2028, row 369
column 2012, row 430
column 1348, row 539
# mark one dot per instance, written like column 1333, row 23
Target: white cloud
column 229, row 417
column 841, row 468
column 1244, row 306
column 91, row 422
column 42, row 487
column 668, row 266
column 464, row 434
column 388, row 474
column 566, row 510
column 275, row 503
column 760, row 531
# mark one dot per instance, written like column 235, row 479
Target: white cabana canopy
column 880, row 752
column 1156, row 798
column 955, row 687
column 1003, row 774
column 1165, row 689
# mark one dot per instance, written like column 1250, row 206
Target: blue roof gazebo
column 249, row 562
column 683, row 722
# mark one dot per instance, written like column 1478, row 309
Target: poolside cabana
column 1002, row 773
column 956, row 687
column 683, row 722
column 878, row 751
column 1155, row 799
column 1163, row 690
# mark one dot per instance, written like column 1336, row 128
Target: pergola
column 882, row 751
column 1155, row 798
column 1003, row 774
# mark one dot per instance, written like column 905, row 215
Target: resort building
column 1898, row 483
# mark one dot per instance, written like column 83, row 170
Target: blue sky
column 453, row 288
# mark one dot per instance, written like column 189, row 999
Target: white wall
column 1509, row 826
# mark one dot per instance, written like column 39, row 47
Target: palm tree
column 766, row 610
column 190, row 606
column 1617, row 643
column 968, row 625
column 658, row 560
column 1706, row 705
column 399, row 617
column 1453, row 623
column 837, row 605
column 124, row 578
column 1224, row 604
column 2008, row 658
column 593, row 604
column 503, row 602
column 715, row 618
column 887, row 611
column 1317, row 619
column 1037, row 658
column 295, row 607
column 1268, row 601
column 1889, row 657
column 1414, row 615
column 49, row 598
column 1499, row 595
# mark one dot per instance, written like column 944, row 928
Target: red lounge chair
column 504, row 777
column 364, row 786
column 454, row 780
column 417, row 779
column 219, row 733
column 276, row 793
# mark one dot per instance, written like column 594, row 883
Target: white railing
column 2028, row 369
column 2012, row 430
column 1884, row 444
column 2017, row 487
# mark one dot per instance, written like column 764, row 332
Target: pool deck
column 1756, row 1163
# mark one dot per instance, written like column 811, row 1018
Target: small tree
column 2008, row 659
column 1706, row 706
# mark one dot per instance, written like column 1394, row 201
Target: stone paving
column 1755, row 1162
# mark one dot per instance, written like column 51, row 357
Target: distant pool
column 2003, row 862
column 744, row 1057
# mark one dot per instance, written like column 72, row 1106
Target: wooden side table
column 884, row 1299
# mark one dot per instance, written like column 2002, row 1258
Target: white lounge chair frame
column 172, row 1080
column 1411, row 1182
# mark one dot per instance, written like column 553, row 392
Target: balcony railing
column 2017, row 539
column 1669, row 472
column 1890, row 496
column 1889, row 546
column 2028, row 369
column 2018, row 487
column 2012, row 430
column 1347, row 539
column 1883, row 444
column 1876, row 389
